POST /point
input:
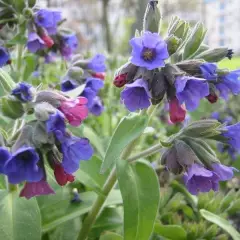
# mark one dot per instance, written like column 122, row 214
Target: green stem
column 109, row 184
column 19, row 58
column 148, row 152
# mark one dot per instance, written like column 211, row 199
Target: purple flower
column 23, row 92
column 97, row 107
column 68, row 84
column 69, row 44
column 199, row 179
column 94, row 83
column 90, row 95
column 232, row 133
column 23, row 166
column 33, row 189
column 97, row 63
column 229, row 83
column 56, row 122
column 34, row 42
column 191, row 90
column 74, row 150
column 4, row 157
column 136, row 95
column 209, row 71
column 49, row 58
column 223, row 172
column 4, row 56
column 149, row 51
column 48, row 19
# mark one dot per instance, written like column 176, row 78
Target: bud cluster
column 43, row 140
column 88, row 76
column 190, row 154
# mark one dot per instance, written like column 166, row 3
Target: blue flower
column 23, row 166
column 209, row 71
column 34, row 42
column 74, row 150
column 232, row 133
column 94, row 83
column 69, row 44
column 23, row 92
column 68, row 84
column 97, row 107
column 4, row 157
column 223, row 172
column 199, row 179
column 149, row 51
column 97, row 63
column 48, row 19
column 229, row 83
column 191, row 90
column 56, row 122
column 90, row 95
column 4, row 56
column 136, row 95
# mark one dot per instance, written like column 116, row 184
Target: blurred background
column 108, row 24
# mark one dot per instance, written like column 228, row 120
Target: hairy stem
column 109, row 184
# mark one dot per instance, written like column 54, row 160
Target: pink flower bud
column 47, row 40
column 75, row 111
column 176, row 111
column 120, row 80
column 61, row 176
column 99, row 75
column 212, row 98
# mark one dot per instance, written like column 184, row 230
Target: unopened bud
column 191, row 67
column 75, row 72
column 173, row 44
column 11, row 107
column 158, row 87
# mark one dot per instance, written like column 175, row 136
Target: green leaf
column 173, row 232
column 194, row 41
column 6, row 82
column 111, row 236
column 89, row 174
column 72, row 211
column 76, row 91
column 140, row 191
column 128, row 129
column 224, row 224
column 20, row 218
column 30, row 66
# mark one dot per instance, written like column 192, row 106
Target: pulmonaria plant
column 88, row 74
column 45, row 140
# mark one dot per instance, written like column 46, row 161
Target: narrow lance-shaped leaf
column 129, row 128
column 224, row 224
column 140, row 191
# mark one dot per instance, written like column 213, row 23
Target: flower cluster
column 88, row 75
column 191, row 155
column 45, row 139
column 147, row 78
column 44, row 36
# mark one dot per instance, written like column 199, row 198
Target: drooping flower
column 90, row 95
column 4, row 56
column 69, row 44
column 209, row 71
column 56, row 122
column 23, row 92
column 97, row 107
column 97, row 63
column 199, row 179
column 149, row 51
column 191, row 90
column 136, row 95
column 61, row 176
column 48, row 19
column 33, row 189
column 176, row 111
column 229, row 83
column 4, row 157
column 34, row 42
column 74, row 150
column 68, row 84
column 75, row 111
column 94, row 83
column 232, row 133
column 223, row 172
column 23, row 166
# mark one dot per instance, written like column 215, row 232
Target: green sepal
column 213, row 55
column 11, row 107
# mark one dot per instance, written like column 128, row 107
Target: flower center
column 149, row 54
